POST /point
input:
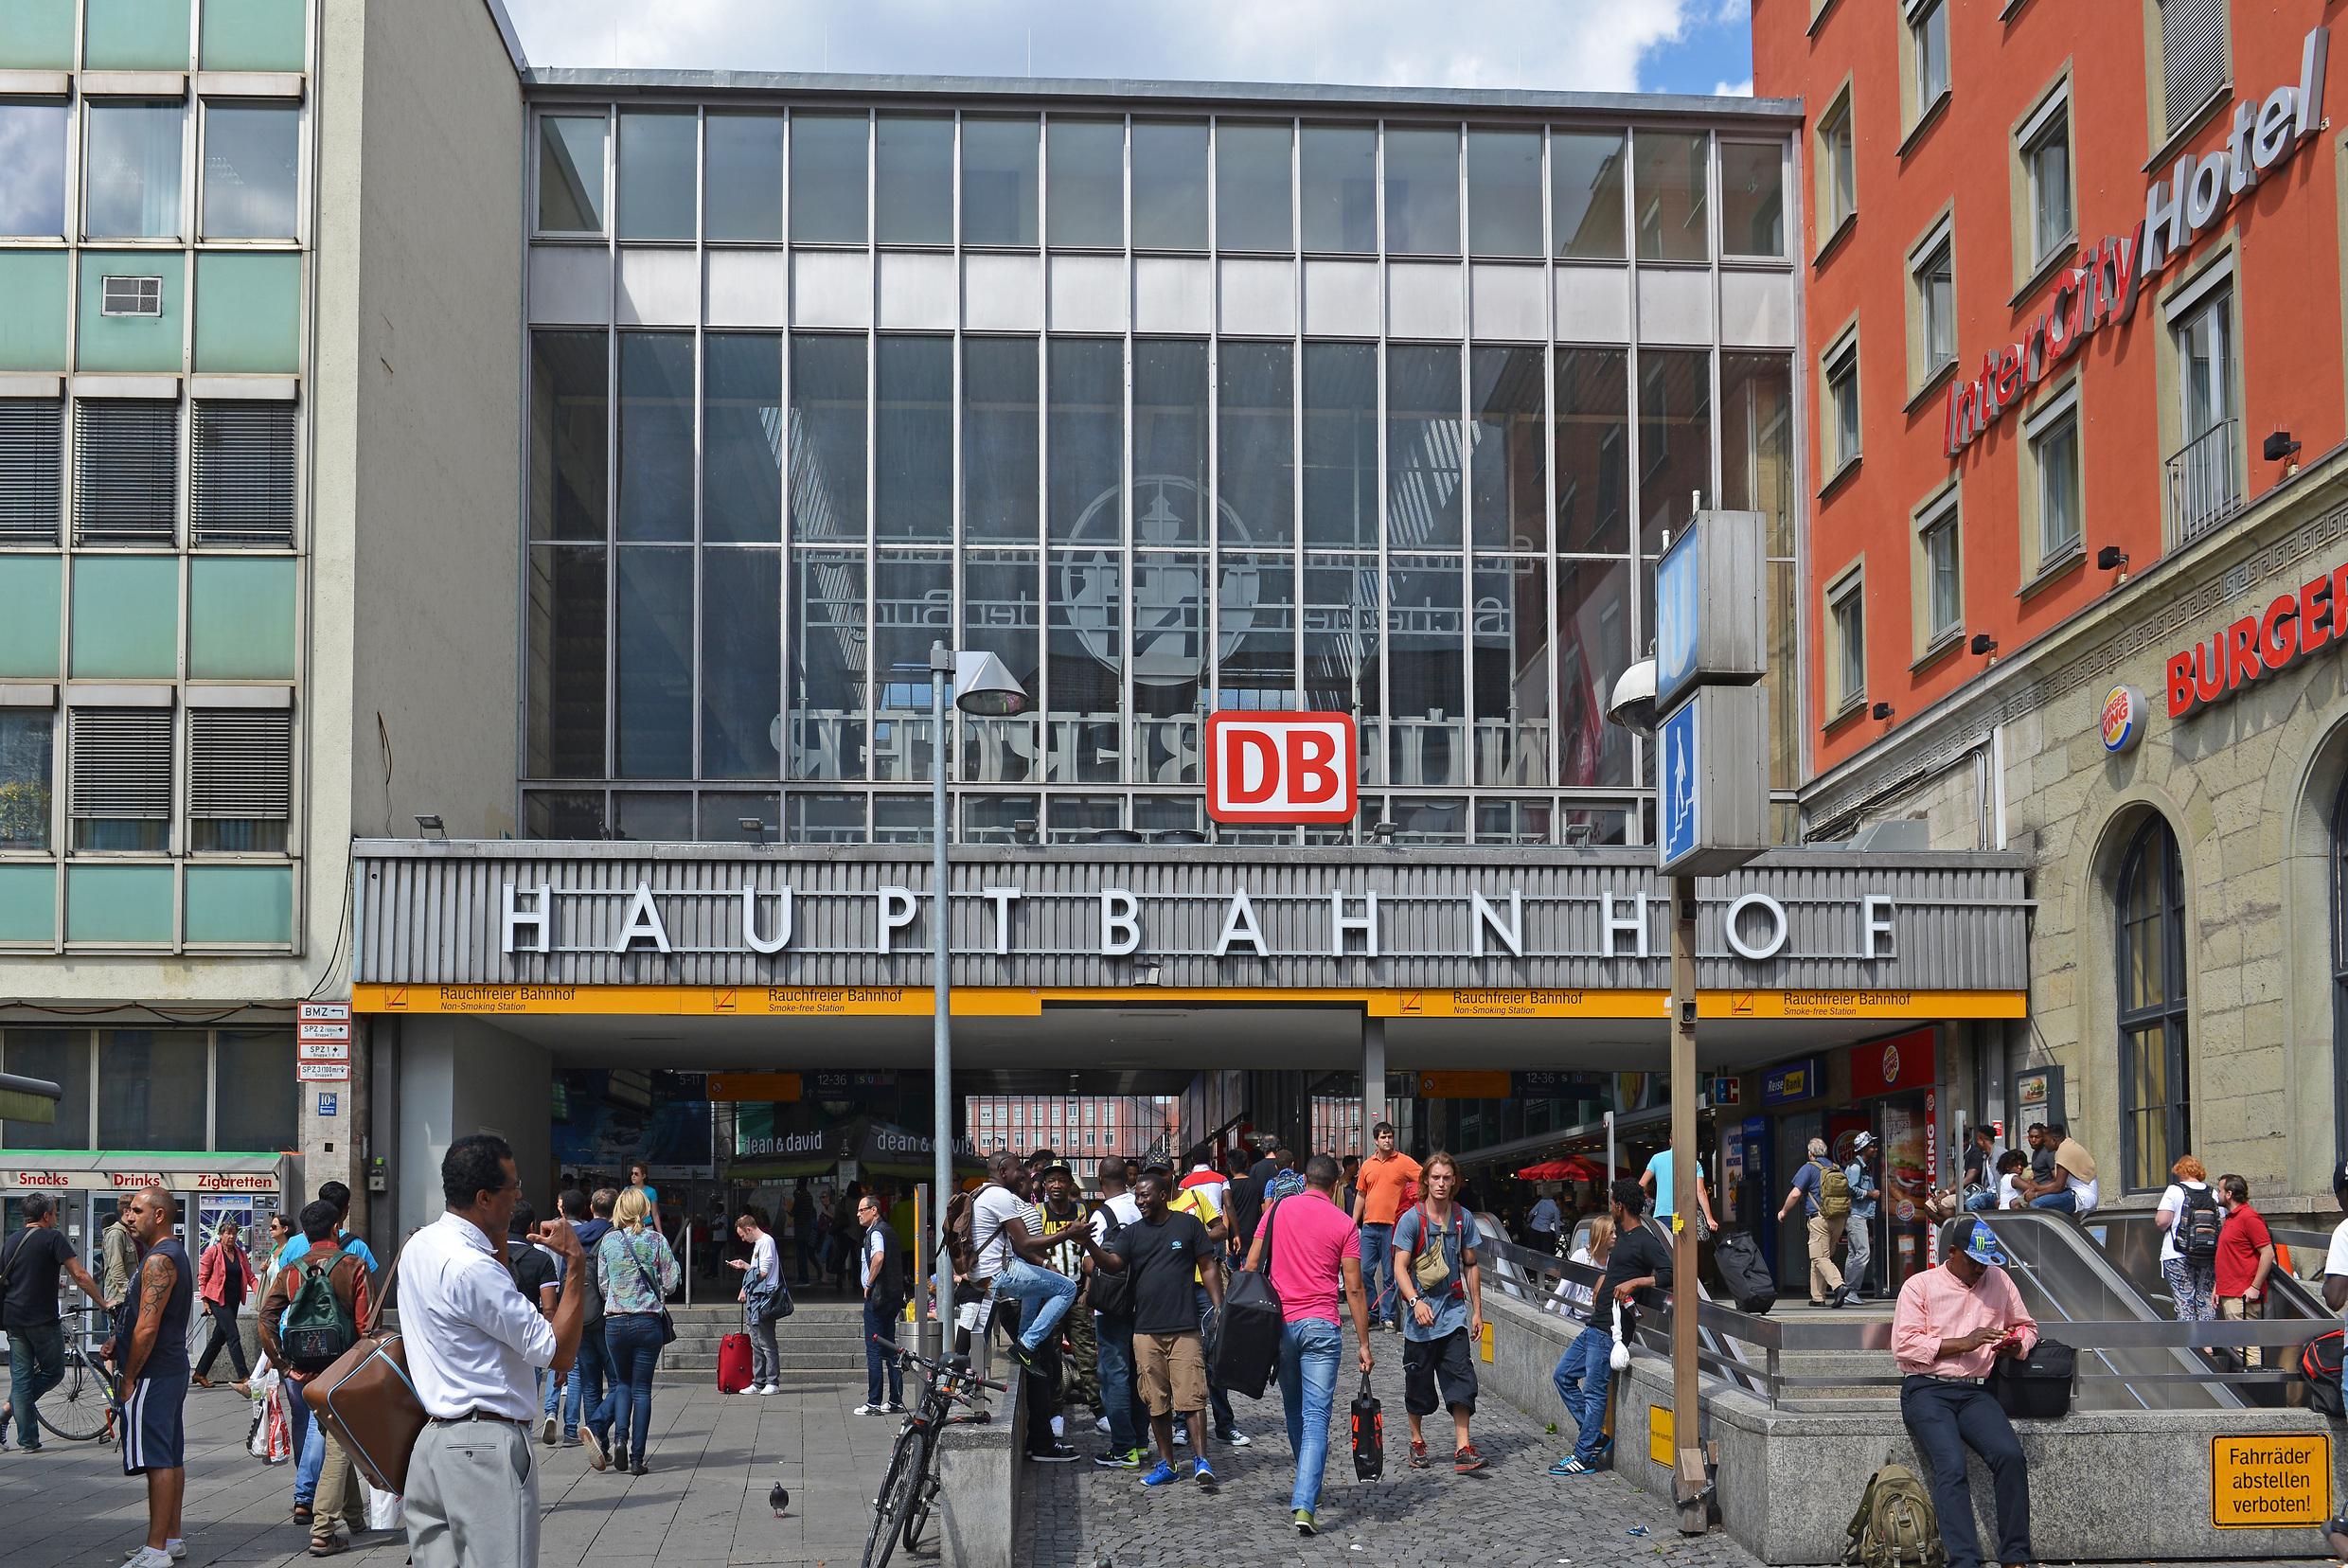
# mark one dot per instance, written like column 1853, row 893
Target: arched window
column 2155, row 1116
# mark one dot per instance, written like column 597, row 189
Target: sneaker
column 1058, row 1453
column 149, row 1556
column 777, row 1388
column 892, row 1408
column 177, row 1547
column 1101, row 1426
column 548, row 1429
column 1572, row 1465
column 1305, row 1522
column 1235, row 1437
column 1182, row 1434
column 1466, row 1461
column 1203, row 1473
column 596, row 1456
column 1111, row 1459
column 1419, row 1453
column 1162, row 1477
column 32, row 1448
column 1025, row 1356
column 870, row 1409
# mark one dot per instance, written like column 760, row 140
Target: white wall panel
column 750, row 288
column 1423, row 299
column 1674, row 306
column 830, row 288
column 1593, row 304
column 1758, row 310
column 1003, row 293
column 1172, row 293
column 659, row 288
column 1257, row 297
column 1504, row 303
column 918, row 291
column 1088, row 294
column 1340, row 299
column 570, row 286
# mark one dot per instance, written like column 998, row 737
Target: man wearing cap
column 1859, row 1231
column 1951, row 1324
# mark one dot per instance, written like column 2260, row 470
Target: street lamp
column 984, row 690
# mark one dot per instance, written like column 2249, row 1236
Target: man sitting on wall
column 1951, row 1326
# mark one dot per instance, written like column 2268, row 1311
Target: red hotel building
column 2077, row 404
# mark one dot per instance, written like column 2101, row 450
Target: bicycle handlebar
column 958, row 1370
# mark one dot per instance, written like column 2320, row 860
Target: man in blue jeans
column 1010, row 1253
column 880, row 1267
column 1642, row 1258
column 1385, row 1185
column 586, row 1413
column 31, row 1261
column 1312, row 1249
column 1112, row 1331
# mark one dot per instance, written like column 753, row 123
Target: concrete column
column 333, row 1147
column 1373, row 1080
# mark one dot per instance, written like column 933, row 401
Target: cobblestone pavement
column 1513, row 1514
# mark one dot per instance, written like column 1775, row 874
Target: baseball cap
column 1865, row 1140
column 1974, row 1239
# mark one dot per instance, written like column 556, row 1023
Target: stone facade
column 2247, row 784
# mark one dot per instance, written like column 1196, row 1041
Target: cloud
column 1597, row 45
column 1732, row 89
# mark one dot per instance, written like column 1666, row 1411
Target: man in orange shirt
column 1381, row 1191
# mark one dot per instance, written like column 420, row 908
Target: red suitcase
column 734, row 1363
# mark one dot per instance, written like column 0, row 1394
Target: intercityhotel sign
column 2103, row 288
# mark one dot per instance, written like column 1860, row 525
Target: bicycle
column 909, row 1490
column 81, row 1408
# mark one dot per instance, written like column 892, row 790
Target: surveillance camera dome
column 1633, row 704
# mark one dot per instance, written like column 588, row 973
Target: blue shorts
column 153, row 1436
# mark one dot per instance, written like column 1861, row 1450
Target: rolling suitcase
column 733, row 1363
column 1742, row 1269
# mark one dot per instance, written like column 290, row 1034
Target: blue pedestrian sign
column 1681, row 806
column 330, row 1105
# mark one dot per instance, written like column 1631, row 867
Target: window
column 1840, row 425
column 570, row 173
column 2193, row 57
column 1838, row 168
column 130, row 295
column 241, row 482
column 742, row 172
column 1086, row 198
column 2046, row 172
column 28, row 744
column 1941, row 592
column 32, row 175
column 1422, row 192
column 153, row 1088
column 32, row 444
column 121, row 784
column 999, row 181
column 61, row 1057
column 260, row 1096
column 240, row 780
column 2154, row 1111
column 1671, row 172
column 2203, row 490
column 252, row 161
column 1753, row 198
column 2054, row 454
column 1504, row 192
column 656, row 183
column 1846, row 629
column 1251, row 187
column 1927, row 32
column 913, row 180
column 655, row 436
column 1169, row 186
column 134, row 169
column 126, row 470
column 1339, row 205
column 828, row 178
column 1934, row 302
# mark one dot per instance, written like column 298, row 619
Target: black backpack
column 1111, row 1295
column 2319, row 1373
column 2196, row 1228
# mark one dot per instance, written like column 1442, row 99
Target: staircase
column 820, row 1345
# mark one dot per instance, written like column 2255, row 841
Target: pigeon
column 779, row 1500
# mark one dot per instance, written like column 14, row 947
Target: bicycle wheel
column 76, row 1409
column 918, row 1515
column 906, row 1463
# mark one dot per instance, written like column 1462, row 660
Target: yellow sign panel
column 1659, row 1435
column 1862, row 1004
column 2279, row 1480
column 1517, row 1002
column 1484, row 1340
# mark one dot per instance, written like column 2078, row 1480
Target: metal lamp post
column 984, row 690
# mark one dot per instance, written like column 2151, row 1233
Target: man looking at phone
column 1951, row 1324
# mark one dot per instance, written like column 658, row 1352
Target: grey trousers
column 473, row 1497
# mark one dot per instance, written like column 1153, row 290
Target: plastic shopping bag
column 382, row 1507
column 271, row 1440
column 1619, row 1358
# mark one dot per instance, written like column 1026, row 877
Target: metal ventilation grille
column 126, row 470
column 122, row 763
column 32, row 469
column 2193, row 56
column 240, row 764
column 130, row 297
column 240, row 480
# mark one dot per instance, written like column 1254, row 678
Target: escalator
column 2131, row 1241
column 2065, row 1276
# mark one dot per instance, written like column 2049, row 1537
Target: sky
column 1590, row 45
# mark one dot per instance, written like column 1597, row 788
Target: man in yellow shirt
column 1198, row 1201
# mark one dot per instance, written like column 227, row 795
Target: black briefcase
column 2035, row 1387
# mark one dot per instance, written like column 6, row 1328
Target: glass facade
column 1151, row 495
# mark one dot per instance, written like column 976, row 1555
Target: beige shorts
column 1170, row 1371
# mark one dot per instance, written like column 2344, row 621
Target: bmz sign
column 1280, row 768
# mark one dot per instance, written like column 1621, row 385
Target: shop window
column 259, row 1094
column 2154, row 1111
column 152, row 1085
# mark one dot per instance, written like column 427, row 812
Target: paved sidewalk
column 713, row 1461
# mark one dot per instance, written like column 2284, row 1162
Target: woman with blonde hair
column 1598, row 1245
column 2190, row 1220
column 638, row 1270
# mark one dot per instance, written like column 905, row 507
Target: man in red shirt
column 2246, row 1254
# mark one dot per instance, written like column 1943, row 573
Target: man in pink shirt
column 1312, row 1248
column 1951, row 1326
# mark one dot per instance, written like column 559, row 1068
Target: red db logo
column 1280, row 767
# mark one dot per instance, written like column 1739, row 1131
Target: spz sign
column 1280, row 767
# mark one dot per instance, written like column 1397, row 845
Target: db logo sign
column 1280, row 767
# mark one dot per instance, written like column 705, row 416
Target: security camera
column 1632, row 705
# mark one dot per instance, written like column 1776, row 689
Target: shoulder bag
column 8, row 1261
column 1246, row 1348
column 368, row 1401
column 668, row 1324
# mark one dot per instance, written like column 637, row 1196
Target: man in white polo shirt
column 475, row 1346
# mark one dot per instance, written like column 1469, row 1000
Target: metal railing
column 2203, row 490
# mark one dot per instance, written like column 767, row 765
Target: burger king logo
column 2123, row 718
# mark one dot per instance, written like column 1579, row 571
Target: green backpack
column 317, row 1327
column 1834, row 1192
column 1895, row 1526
